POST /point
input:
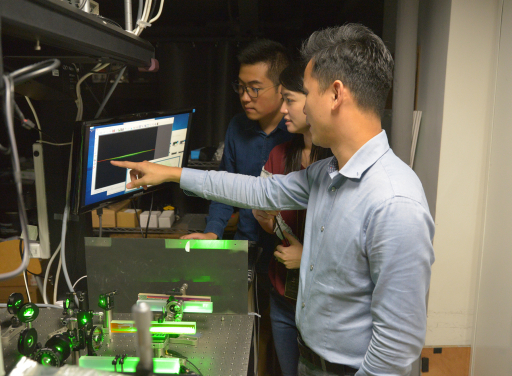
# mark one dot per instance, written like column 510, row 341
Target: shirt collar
column 256, row 126
column 363, row 159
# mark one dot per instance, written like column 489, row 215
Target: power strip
column 43, row 250
column 35, row 247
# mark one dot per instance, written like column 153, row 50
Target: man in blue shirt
column 367, row 256
column 251, row 136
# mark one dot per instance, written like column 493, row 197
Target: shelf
column 136, row 230
column 188, row 224
column 203, row 165
column 58, row 24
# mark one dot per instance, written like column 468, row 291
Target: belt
column 318, row 361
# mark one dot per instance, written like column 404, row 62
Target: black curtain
column 198, row 75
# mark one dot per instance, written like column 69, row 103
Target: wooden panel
column 10, row 260
column 452, row 361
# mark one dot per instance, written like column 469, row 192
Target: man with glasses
column 252, row 135
column 249, row 139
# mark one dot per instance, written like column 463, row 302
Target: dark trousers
column 284, row 332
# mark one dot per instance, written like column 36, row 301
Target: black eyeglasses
column 251, row 91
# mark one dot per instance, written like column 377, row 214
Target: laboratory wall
column 457, row 75
column 492, row 354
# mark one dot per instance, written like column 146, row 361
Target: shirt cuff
column 192, row 181
column 214, row 227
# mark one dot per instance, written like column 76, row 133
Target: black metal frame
column 61, row 25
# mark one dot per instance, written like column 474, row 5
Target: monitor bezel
column 79, row 162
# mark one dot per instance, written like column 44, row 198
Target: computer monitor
column 159, row 137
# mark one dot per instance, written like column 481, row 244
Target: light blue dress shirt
column 366, row 262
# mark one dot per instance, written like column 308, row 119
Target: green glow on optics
column 66, row 305
column 197, row 307
column 30, row 340
column 28, row 312
column 231, row 245
column 84, row 319
column 58, row 348
column 17, row 303
column 173, row 330
column 46, row 361
column 104, row 363
column 102, row 302
column 168, row 327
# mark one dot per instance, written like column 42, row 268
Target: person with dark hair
column 252, row 135
column 249, row 139
column 367, row 256
column 293, row 155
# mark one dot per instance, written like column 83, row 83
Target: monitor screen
column 159, row 137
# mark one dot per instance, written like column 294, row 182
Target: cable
column 114, row 85
column 108, row 20
column 20, row 76
column 47, row 273
column 34, row 70
column 38, row 123
column 79, row 102
column 176, row 354
column 153, row 7
column 79, row 279
column 4, row 150
column 62, row 262
column 63, row 249
column 159, row 12
column 149, row 216
column 142, row 17
column 34, row 113
column 54, row 143
column 92, row 93
column 56, row 285
column 198, row 370
column 9, row 96
column 139, row 10
column 137, row 215
column 100, row 215
column 142, row 21
column 29, row 124
column 26, row 286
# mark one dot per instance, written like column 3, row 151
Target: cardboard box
column 127, row 218
column 153, row 221
column 108, row 219
column 166, row 219
column 10, row 260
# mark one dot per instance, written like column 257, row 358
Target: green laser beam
column 127, row 155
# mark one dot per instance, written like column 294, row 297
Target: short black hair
column 274, row 54
column 353, row 54
column 292, row 77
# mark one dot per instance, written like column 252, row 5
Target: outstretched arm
column 146, row 173
column 290, row 192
